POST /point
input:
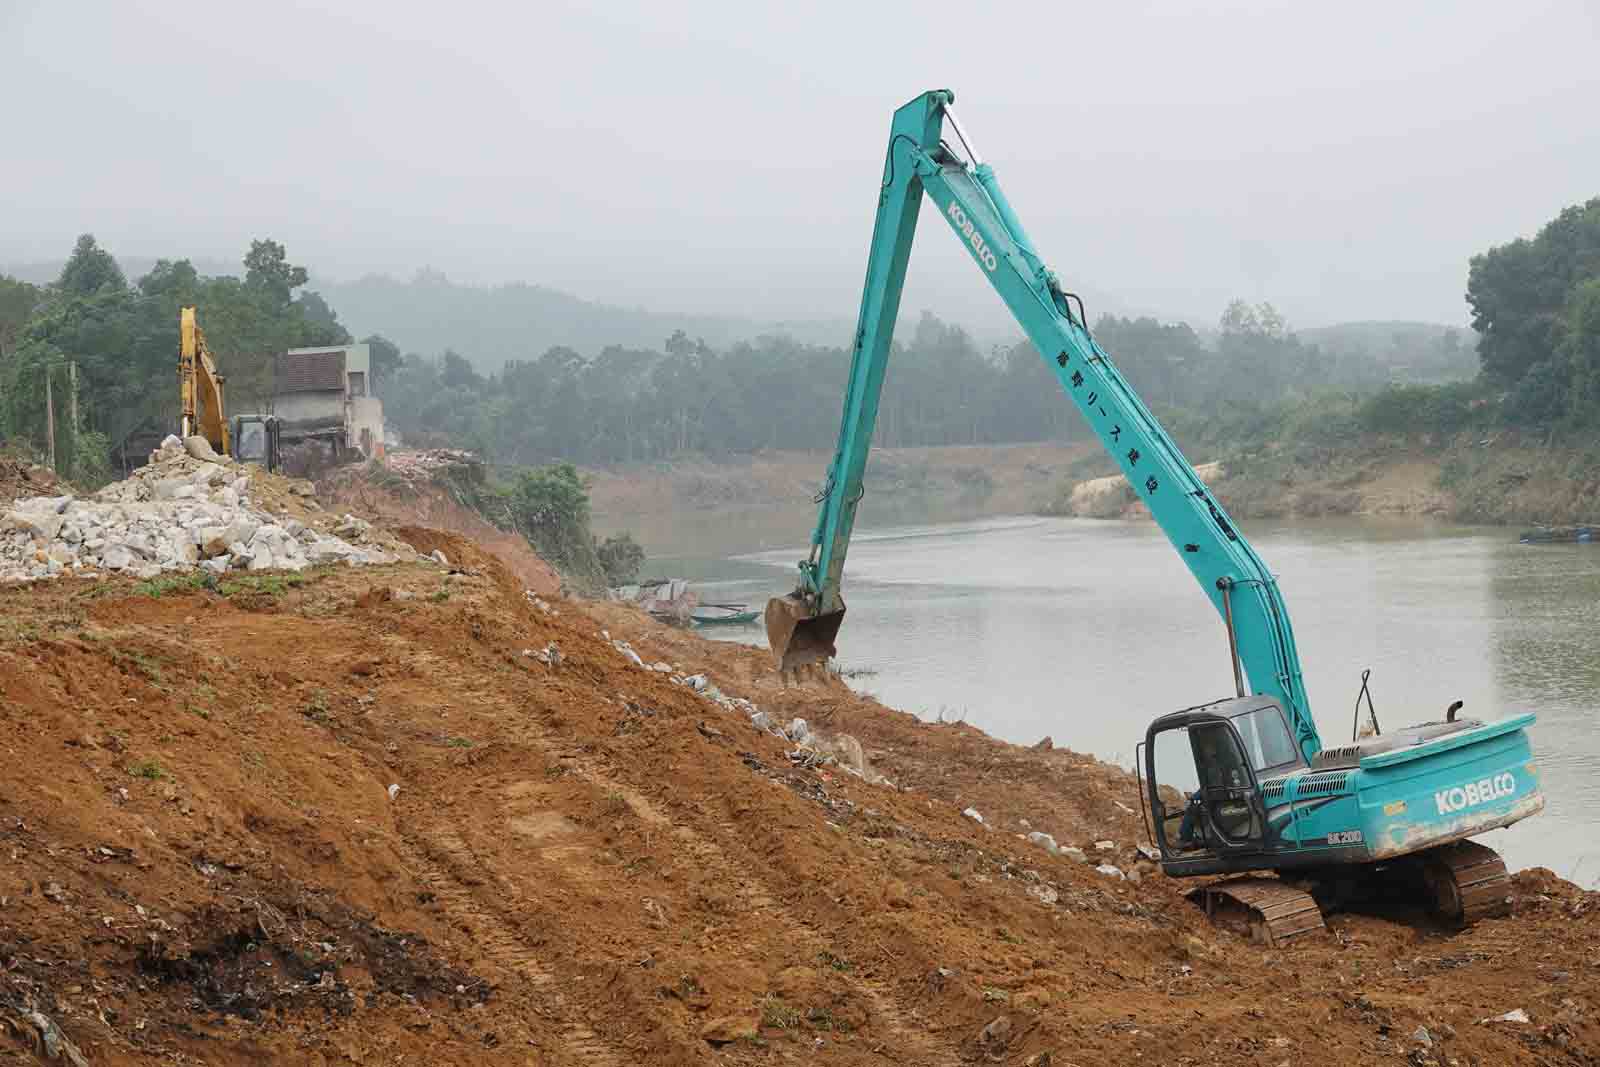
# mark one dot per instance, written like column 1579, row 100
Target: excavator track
column 1276, row 912
column 1466, row 882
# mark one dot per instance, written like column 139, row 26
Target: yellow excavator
column 200, row 387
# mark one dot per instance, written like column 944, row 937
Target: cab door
column 1235, row 814
column 1203, row 794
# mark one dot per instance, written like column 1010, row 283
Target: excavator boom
column 200, row 387
column 803, row 625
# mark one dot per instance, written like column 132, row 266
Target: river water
column 1086, row 630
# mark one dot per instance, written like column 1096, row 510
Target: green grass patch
column 133, row 661
column 148, row 768
column 778, row 1014
column 267, row 584
column 176, row 584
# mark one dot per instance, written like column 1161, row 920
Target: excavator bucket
column 798, row 637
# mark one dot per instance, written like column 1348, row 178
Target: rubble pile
column 415, row 466
column 179, row 513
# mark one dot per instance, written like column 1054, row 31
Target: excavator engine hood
column 797, row 636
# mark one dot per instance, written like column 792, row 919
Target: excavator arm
column 200, row 386
column 802, row 626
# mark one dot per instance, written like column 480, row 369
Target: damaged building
column 325, row 395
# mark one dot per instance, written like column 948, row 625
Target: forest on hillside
column 107, row 347
column 647, row 404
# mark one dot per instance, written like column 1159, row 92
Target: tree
column 385, row 355
column 621, row 558
column 171, row 278
column 551, row 507
column 455, row 372
column 90, row 269
column 267, row 269
column 1580, row 347
column 1518, row 291
column 317, row 312
column 17, row 301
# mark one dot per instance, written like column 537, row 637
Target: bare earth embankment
column 1507, row 482
column 405, row 813
column 678, row 506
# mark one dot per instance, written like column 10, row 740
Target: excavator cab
column 1203, row 770
column 255, row 440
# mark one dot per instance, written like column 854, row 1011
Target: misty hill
column 43, row 272
column 1382, row 339
column 492, row 324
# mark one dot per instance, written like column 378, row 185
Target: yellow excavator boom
column 200, row 387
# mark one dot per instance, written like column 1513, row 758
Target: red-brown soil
column 200, row 862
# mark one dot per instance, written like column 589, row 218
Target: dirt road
column 350, row 820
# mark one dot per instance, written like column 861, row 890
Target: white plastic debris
column 1111, row 871
column 972, row 813
column 394, row 790
column 1515, row 1015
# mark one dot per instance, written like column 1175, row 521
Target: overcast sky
column 1341, row 160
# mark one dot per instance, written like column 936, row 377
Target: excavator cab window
column 1267, row 740
column 250, row 442
column 1204, row 790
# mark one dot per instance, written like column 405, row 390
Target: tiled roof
column 310, row 372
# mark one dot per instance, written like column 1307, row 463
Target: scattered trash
column 56, row 1044
column 1421, row 1036
column 1111, row 871
column 550, row 654
column 1045, row 841
column 1515, row 1015
column 1045, row 894
column 394, row 791
column 972, row 813
column 995, row 1037
column 1105, row 846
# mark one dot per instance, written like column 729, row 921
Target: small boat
column 723, row 615
column 1561, row 535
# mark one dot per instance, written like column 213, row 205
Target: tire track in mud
column 913, row 1046
column 440, row 862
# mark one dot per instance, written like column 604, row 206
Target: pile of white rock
column 179, row 513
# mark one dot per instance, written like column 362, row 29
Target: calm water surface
column 1086, row 630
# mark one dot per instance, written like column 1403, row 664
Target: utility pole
column 72, row 399
column 50, row 417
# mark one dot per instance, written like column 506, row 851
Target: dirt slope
column 420, row 501
column 584, row 863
